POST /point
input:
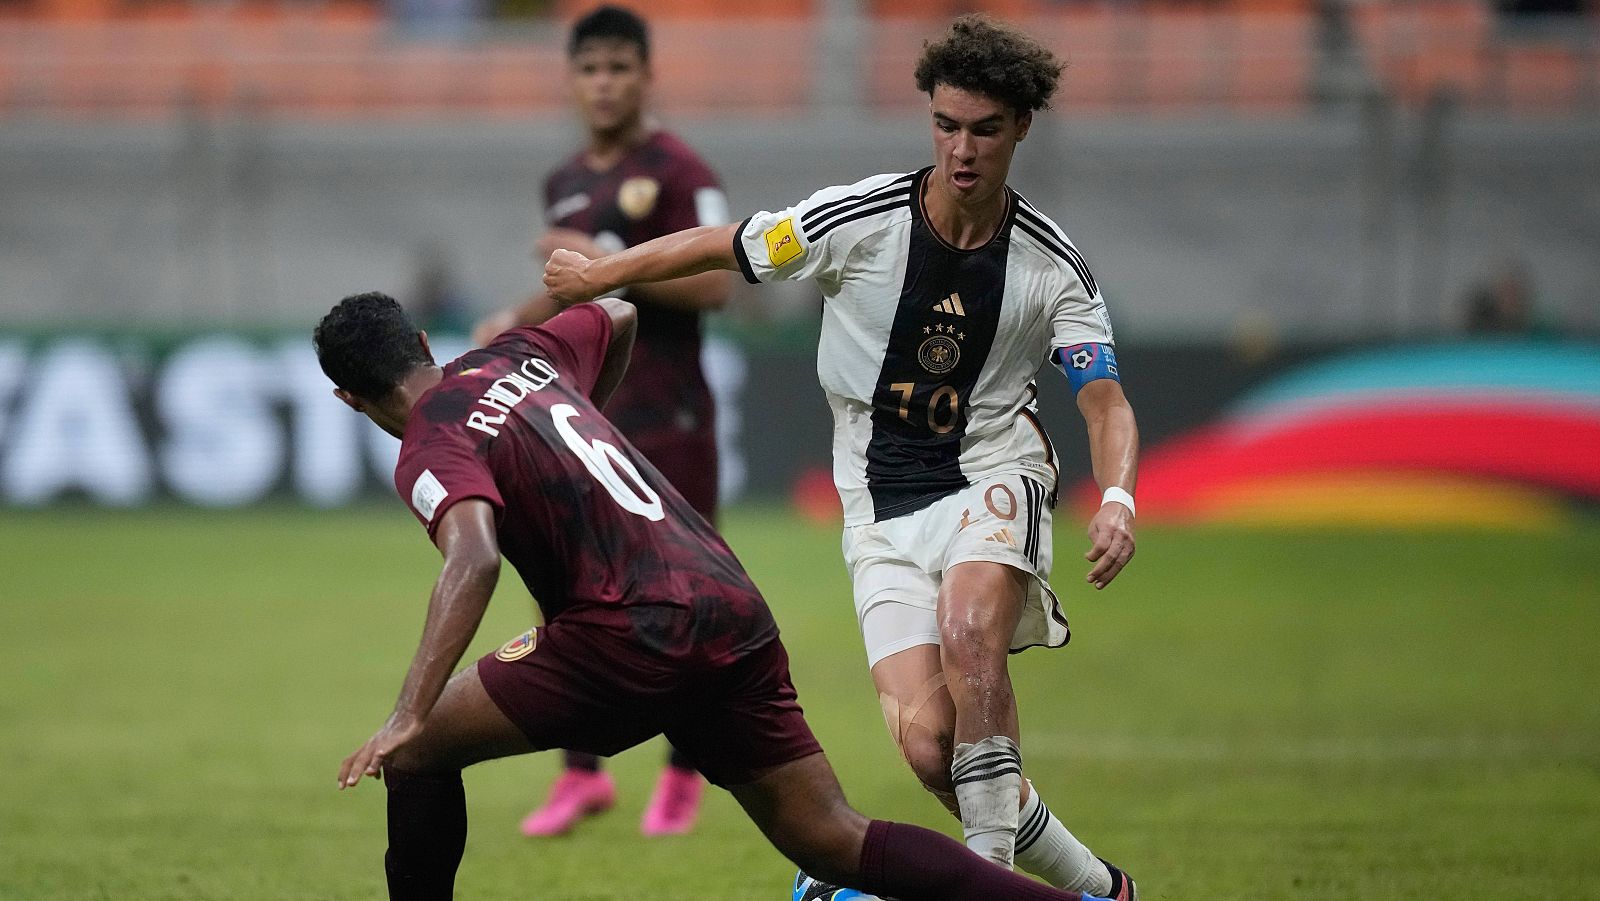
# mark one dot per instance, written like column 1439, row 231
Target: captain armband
column 1084, row 363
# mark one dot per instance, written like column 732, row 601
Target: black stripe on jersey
column 1040, row 230
column 891, row 203
column 1071, row 259
column 739, row 254
column 931, row 363
column 1062, row 245
column 1041, row 221
column 813, row 216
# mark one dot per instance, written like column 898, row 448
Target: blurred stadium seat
column 1425, row 47
column 93, row 58
column 1157, row 58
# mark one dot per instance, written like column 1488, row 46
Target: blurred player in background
column 651, row 625
column 945, row 291
column 635, row 181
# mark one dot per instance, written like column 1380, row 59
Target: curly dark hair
column 613, row 22
column 993, row 59
column 367, row 345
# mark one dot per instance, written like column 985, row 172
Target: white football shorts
column 896, row 566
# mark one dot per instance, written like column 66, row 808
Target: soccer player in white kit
column 945, row 290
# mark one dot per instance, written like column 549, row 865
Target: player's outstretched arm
column 1114, row 453
column 624, row 325
column 703, row 293
column 571, row 278
column 466, row 537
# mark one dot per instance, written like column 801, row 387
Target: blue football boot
column 809, row 889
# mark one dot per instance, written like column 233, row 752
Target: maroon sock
column 427, row 833
column 578, row 760
column 901, row 861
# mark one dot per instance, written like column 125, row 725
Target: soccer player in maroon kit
column 631, row 183
column 651, row 625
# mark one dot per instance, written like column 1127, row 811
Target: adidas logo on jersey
column 1003, row 536
column 951, row 305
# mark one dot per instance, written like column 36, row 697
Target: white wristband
column 1119, row 496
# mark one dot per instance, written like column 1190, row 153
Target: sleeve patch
column 427, row 493
column 782, row 245
column 1085, row 363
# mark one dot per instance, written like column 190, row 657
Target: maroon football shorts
column 590, row 688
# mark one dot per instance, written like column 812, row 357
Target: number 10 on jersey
column 943, row 406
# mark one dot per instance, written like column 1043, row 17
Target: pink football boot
column 675, row 803
column 576, row 794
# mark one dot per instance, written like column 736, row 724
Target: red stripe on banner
column 1557, row 449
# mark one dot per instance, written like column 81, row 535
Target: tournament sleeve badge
column 426, row 494
column 637, row 196
column 519, row 647
column 782, row 245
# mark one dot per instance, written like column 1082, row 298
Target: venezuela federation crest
column 519, row 647
column 637, row 196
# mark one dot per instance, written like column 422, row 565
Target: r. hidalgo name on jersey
column 928, row 352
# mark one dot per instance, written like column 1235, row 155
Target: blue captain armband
column 1085, row 363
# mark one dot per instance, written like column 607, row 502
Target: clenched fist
column 566, row 278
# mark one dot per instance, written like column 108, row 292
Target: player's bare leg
column 980, row 604
column 802, row 811
column 979, row 607
column 427, row 804
column 921, row 717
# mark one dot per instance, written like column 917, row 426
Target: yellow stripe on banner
column 1382, row 499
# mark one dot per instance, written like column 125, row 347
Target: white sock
column 988, row 782
column 1046, row 849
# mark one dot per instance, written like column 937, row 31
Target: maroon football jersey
column 595, row 532
column 660, row 187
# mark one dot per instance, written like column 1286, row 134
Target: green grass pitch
column 1246, row 714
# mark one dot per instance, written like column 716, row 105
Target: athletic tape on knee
column 900, row 718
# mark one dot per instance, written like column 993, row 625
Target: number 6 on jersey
column 602, row 459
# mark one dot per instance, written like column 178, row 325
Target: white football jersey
column 928, row 352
